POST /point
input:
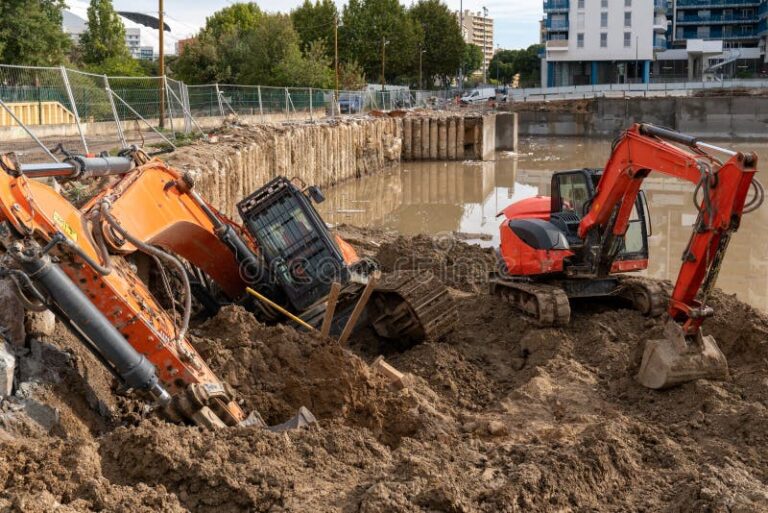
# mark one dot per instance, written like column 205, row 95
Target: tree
column 265, row 47
column 234, row 19
column 104, row 39
column 473, row 59
column 310, row 70
column 220, row 50
column 443, row 44
column 368, row 25
column 508, row 63
column 315, row 22
column 31, row 32
column 351, row 76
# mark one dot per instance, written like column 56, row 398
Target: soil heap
column 501, row 416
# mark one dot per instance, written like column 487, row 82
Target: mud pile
column 500, row 416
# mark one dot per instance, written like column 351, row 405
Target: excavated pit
column 501, row 416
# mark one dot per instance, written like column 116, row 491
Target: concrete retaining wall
column 737, row 117
column 322, row 154
column 449, row 137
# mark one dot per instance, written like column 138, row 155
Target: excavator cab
column 571, row 198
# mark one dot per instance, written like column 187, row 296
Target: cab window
column 574, row 193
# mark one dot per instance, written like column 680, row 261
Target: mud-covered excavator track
column 548, row 303
column 412, row 306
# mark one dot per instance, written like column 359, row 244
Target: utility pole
column 161, row 63
column 421, row 84
column 336, row 51
column 461, row 28
column 498, row 48
column 384, row 43
column 485, row 34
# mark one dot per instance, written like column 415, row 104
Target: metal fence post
column 311, row 117
column 287, row 105
column 261, row 108
column 65, row 78
column 120, row 133
column 188, row 113
column 170, row 104
column 218, row 98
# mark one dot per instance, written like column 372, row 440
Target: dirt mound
column 457, row 264
column 502, row 415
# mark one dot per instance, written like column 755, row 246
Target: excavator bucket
column 674, row 359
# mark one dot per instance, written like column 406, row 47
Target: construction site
column 242, row 323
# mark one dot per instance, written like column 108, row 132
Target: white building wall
column 587, row 21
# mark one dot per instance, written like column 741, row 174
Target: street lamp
column 485, row 33
column 421, row 85
column 384, row 43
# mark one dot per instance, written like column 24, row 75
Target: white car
column 481, row 94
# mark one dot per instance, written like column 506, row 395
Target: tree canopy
column 315, row 22
column 104, row 38
column 508, row 63
column 442, row 45
column 376, row 30
column 31, row 32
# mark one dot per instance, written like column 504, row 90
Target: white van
column 481, row 94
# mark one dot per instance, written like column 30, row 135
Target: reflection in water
column 435, row 197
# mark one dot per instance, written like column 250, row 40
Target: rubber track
column 430, row 304
column 547, row 304
column 652, row 289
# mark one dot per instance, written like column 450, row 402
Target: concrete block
column 433, row 139
column 11, row 314
column 451, row 139
column 442, row 136
column 7, row 371
column 40, row 323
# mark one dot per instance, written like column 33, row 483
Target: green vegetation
column 244, row 44
column 508, row 63
column 31, row 32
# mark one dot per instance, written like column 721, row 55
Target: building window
column 603, row 40
column 627, row 39
column 604, row 4
column 603, row 20
column 580, row 40
column 628, row 19
column 581, row 4
column 627, row 3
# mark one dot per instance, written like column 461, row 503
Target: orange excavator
column 82, row 264
column 581, row 242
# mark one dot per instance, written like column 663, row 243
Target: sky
column 516, row 22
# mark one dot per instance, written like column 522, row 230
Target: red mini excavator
column 580, row 242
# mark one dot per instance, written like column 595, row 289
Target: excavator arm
column 721, row 192
column 721, row 199
column 70, row 261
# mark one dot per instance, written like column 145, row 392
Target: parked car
column 350, row 103
column 481, row 94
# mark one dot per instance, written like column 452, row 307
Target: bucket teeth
column 675, row 360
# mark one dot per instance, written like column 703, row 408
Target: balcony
column 659, row 43
column 697, row 4
column 660, row 6
column 557, row 45
column 554, row 6
column 714, row 19
column 556, row 25
column 660, row 24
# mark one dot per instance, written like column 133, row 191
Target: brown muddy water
column 437, row 198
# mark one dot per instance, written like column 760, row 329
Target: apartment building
column 477, row 29
column 713, row 39
column 599, row 41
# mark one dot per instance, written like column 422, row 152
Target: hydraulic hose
column 156, row 252
column 757, row 199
